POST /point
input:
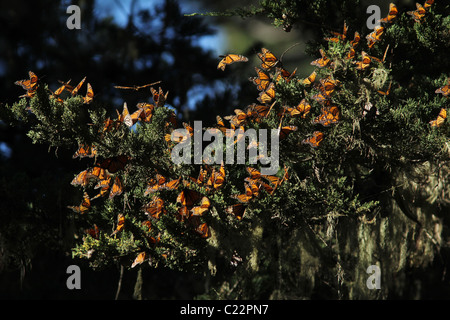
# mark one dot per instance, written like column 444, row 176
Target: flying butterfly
column 417, row 14
column 229, row 59
column 28, row 84
column 393, row 11
column 339, row 36
column 315, row 140
column 136, row 88
column 84, row 206
column 310, row 79
column 75, row 90
column 89, row 94
column 140, row 258
column 238, row 118
column 440, row 119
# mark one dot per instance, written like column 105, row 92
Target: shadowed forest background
column 125, row 43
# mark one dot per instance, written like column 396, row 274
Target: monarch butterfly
column 320, row 98
column 245, row 197
column 158, row 96
column 417, row 14
column 257, row 111
column 93, row 232
column 201, row 177
column 104, row 183
column 84, row 206
column 203, row 230
column 117, row 188
column 139, row 259
column 120, row 224
column 254, row 174
column 339, row 36
column 28, row 84
column 364, row 63
column 155, row 185
column 203, row 207
column 188, row 197
column 229, row 59
column 89, row 94
column 445, row 90
column 155, row 207
column 374, row 36
column 80, row 179
column 393, row 11
column 315, row 140
column 269, row 60
column 329, row 116
column 217, row 179
column 268, row 95
column 321, row 62
column 269, row 189
column 327, row 86
column 75, row 90
column 58, row 92
column 428, row 3
column 285, row 131
column 282, row 73
column 146, row 112
column 238, row 118
column 97, row 173
column 262, row 79
column 385, row 93
column 356, row 39
column 310, row 79
column 114, row 164
column 351, row 54
column 85, row 150
column 440, row 119
column 238, row 210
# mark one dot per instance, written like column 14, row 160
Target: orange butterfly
column 74, row 91
column 303, row 108
column 89, row 94
column 315, row 140
column 356, row 39
column 28, row 84
column 321, row 98
column 201, row 177
column 203, row 230
column 178, row 137
column 428, row 4
column 80, row 179
column 171, row 185
column 285, row 131
column 440, row 119
column 114, row 164
column 364, row 63
column 238, row 210
column 254, row 174
column 155, row 207
column 203, row 207
column 321, row 62
column 386, row 93
column 117, row 188
column 217, row 179
column 136, row 88
column 268, row 59
column 393, row 11
column 245, row 197
column 257, row 111
column 146, row 112
column 188, row 197
column 94, row 232
column 282, row 73
column 445, row 90
column 155, row 185
column 268, row 95
column 85, row 151
column 84, row 206
column 329, row 116
column 141, row 257
column 262, row 79
column 237, row 119
column 97, row 173
column 417, row 14
column 327, row 85
column 229, row 59
column 375, row 36
column 339, row 36
column 310, row 79
column 120, row 224
column 159, row 97
column 351, row 54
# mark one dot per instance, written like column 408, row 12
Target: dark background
column 120, row 43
